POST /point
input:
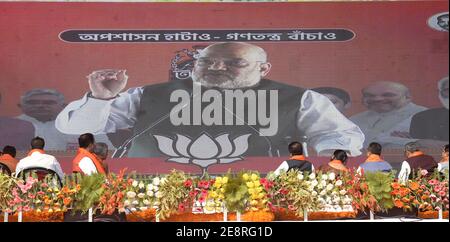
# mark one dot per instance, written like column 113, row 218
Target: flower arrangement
column 256, row 191
column 180, row 197
column 329, row 191
column 431, row 192
column 90, row 189
column 216, row 194
column 141, row 194
column 173, row 195
column 358, row 189
column 113, row 197
column 290, row 191
column 7, row 184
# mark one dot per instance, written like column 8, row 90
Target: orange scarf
column 298, row 157
column 337, row 164
column 85, row 153
column 36, row 150
column 374, row 158
column 416, row 153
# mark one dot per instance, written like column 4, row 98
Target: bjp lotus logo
column 204, row 150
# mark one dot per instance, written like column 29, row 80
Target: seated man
column 297, row 160
column 415, row 161
column 443, row 164
column 100, row 151
column 374, row 162
column 337, row 163
column 37, row 158
column 8, row 157
column 86, row 162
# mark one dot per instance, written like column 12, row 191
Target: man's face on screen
column 43, row 107
column 385, row 97
column 231, row 67
column 443, row 21
column 443, row 94
column 338, row 103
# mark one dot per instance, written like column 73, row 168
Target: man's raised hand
column 106, row 84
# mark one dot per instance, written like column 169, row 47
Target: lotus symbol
column 204, row 150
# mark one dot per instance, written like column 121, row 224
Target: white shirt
column 56, row 140
column 285, row 167
column 378, row 127
column 331, row 129
column 404, row 173
column 37, row 159
column 87, row 166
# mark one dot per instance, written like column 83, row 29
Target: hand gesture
column 106, row 84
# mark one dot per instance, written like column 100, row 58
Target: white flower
column 343, row 192
column 146, row 202
column 331, row 176
column 334, row 193
column 126, row 203
column 323, row 183
column 336, row 200
column 143, row 208
column 141, row 185
column 150, row 193
column 312, row 176
column 300, row 176
column 323, row 192
column 133, row 209
column 347, row 208
column 156, row 181
column 314, row 183
column 324, row 177
column 135, row 202
column 150, row 187
column 131, row 194
column 158, row 194
column 141, row 195
column 135, row 183
column 319, row 186
column 339, row 183
column 337, row 208
column 314, row 193
column 330, row 187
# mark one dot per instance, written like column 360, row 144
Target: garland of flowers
column 245, row 192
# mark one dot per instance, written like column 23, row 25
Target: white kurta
column 56, row 140
column 378, row 127
column 326, row 128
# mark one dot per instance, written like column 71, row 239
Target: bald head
column 231, row 65
column 385, row 96
column 240, row 49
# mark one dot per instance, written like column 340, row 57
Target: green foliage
column 379, row 184
column 236, row 193
column 6, row 185
column 172, row 194
column 91, row 190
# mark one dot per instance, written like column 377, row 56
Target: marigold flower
column 414, row 186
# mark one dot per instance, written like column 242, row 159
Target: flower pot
column 318, row 215
column 256, row 216
column 432, row 214
column 77, row 216
column 33, row 216
column 148, row 215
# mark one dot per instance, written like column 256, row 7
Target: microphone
column 123, row 149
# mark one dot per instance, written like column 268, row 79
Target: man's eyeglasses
column 235, row 63
column 41, row 102
column 444, row 92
